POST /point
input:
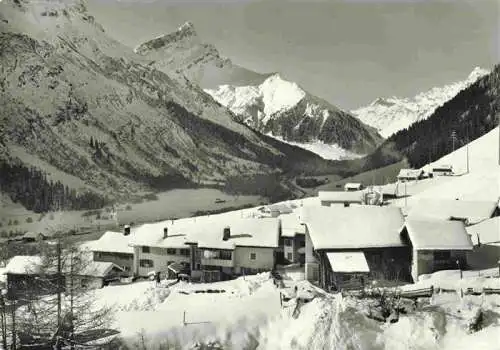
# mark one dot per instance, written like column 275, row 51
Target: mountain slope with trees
column 472, row 113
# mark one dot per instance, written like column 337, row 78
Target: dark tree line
column 470, row 114
column 30, row 187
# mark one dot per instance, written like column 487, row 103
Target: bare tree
column 60, row 308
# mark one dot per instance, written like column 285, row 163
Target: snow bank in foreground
column 246, row 314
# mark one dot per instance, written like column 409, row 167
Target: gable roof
column 98, row 269
column 487, row 230
column 445, row 209
column 353, row 185
column 354, row 227
column 348, row 262
column 207, row 231
column 438, row 235
column 113, row 242
column 341, row 196
column 410, row 173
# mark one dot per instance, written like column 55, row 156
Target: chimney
column 126, row 230
column 226, row 233
column 165, row 232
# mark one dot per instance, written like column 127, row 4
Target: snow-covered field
column 324, row 150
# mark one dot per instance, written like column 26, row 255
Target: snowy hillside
column 284, row 110
column 481, row 183
column 389, row 115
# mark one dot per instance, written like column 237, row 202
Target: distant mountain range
column 470, row 114
column 389, row 115
column 266, row 102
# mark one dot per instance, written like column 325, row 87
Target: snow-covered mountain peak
column 477, row 73
column 278, row 94
column 389, row 115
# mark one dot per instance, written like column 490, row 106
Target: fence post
column 184, row 318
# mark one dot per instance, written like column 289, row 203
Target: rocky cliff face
column 76, row 100
column 183, row 52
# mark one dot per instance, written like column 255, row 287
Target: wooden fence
column 416, row 293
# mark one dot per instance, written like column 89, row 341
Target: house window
column 146, row 249
column 184, row 252
column 146, row 263
column 253, row 256
column 302, row 244
column 225, row 255
column 171, row 251
column 288, row 242
column 289, row 256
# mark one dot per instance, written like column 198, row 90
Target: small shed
column 350, row 269
column 485, row 237
column 410, row 174
column 353, row 186
column 436, row 244
column 443, row 169
column 345, row 198
column 96, row 274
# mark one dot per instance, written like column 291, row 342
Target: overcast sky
column 348, row 52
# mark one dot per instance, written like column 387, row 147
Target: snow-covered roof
column 445, row 209
column 360, row 227
column 487, row 230
column 438, row 235
column 98, row 269
column 353, row 185
column 348, row 261
column 291, row 225
column 207, row 231
column 341, row 196
column 410, row 173
column 113, row 242
column 24, row 265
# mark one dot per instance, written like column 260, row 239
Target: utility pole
column 453, row 137
column 59, row 291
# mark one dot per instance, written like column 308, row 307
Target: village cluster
column 340, row 239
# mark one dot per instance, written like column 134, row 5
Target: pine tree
column 91, row 142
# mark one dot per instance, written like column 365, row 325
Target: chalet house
column 23, row 272
column 343, row 198
column 292, row 240
column 485, row 237
column 436, row 245
column 469, row 212
column 114, row 247
column 410, row 175
column 353, row 186
column 210, row 248
column 348, row 247
column 159, row 246
column 440, row 170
